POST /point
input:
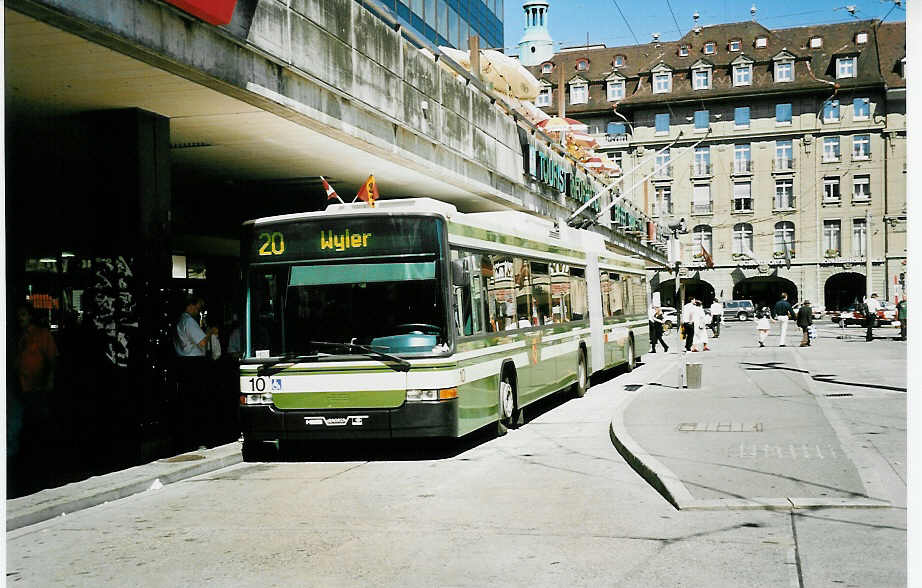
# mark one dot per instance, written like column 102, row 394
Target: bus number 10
column 273, row 243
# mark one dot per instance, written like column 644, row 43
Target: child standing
column 763, row 325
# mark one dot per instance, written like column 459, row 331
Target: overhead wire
column 627, row 24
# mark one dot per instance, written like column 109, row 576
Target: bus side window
column 541, row 293
column 461, row 293
column 523, row 307
column 560, row 292
column 578, row 294
column 490, row 315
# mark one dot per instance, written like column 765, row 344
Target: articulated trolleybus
column 411, row 319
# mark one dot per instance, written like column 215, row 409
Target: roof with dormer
column 878, row 61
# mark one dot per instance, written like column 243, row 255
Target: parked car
column 818, row 311
column 741, row 310
column 850, row 315
column 886, row 314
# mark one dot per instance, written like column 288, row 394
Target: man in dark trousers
column 688, row 323
column 804, row 320
column 901, row 315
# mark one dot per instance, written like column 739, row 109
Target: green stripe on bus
column 354, row 399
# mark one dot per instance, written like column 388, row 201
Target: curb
column 670, row 486
column 76, row 496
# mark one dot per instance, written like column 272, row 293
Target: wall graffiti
column 114, row 309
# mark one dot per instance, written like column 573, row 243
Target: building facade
column 783, row 150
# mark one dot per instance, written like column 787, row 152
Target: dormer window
column 662, row 82
column 784, row 67
column 861, row 38
column 615, row 88
column 579, row 91
column 710, row 48
column 701, row 79
column 845, row 67
column 761, row 42
column 735, row 45
column 742, row 73
column 683, row 50
column 619, row 61
column 816, row 42
column 547, row 68
column 582, row 65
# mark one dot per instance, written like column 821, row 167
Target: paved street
column 554, row 502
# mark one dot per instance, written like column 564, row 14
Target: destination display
column 341, row 238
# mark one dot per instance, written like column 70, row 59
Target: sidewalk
column 761, row 432
column 53, row 502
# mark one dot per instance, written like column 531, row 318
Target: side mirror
column 460, row 275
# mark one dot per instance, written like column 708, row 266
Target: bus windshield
column 393, row 304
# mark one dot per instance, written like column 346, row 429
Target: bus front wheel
column 508, row 412
column 582, row 375
column 631, row 358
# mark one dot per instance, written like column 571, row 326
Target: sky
column 572, row 20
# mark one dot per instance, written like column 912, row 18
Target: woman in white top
column 763, row 325
column 701, row 328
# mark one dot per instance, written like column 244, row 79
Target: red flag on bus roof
column 369, row 191
column 331, row 193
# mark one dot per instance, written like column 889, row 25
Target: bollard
column 693, row 375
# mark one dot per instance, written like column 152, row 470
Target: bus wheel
column 507, row 409
column 582, row 375
column 631, row 358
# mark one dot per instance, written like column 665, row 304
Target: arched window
column 547, row 68
column 702, row 236
column 742, row 239
column 582, row 65
column 784, row 235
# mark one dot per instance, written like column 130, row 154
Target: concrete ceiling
column 215, row 138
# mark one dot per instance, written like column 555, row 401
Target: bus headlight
column 431, row 395
column 250, row 399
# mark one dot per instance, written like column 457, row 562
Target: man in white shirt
column 196, row 421
column 717, row 315
column 688, row 322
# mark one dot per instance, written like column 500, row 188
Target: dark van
column 741, row 310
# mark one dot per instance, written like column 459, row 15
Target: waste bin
column 693, row 375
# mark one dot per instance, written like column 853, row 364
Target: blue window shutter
column 615, row 128
column 783, row 113
column 702, row 119
column 662, row 122
column 741, row 116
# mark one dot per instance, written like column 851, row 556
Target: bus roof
column 510, row 222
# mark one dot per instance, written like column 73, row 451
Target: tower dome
column 535, row 46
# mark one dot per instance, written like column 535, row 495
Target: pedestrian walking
column 701, row 328
column 869, row 308
column 763, row 324
column 804, row 321
column 901, row 315
column 688, row 323
column 717, row 315
column 783, row 312
column 656, row 329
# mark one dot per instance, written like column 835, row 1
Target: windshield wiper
column 265, row 368
column 402, row 364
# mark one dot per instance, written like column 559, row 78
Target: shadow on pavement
column 824, row 378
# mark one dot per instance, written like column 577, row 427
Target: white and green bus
column 411, row 319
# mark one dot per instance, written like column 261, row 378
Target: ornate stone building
column 764, row 141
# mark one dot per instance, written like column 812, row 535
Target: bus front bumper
column 412, row 419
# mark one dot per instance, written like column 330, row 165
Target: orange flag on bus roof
column 369, row 191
